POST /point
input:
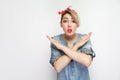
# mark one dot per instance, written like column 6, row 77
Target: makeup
column 69, row 30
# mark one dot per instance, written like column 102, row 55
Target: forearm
column 63, row 61
column 79, row 57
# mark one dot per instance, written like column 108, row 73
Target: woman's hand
column 55, row 42
column 83, row 40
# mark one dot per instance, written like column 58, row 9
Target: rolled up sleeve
column 87, row 49
column 55, row 54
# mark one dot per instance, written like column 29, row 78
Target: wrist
column 62, row 47
column 75, row 48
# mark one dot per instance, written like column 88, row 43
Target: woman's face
column 69, row 25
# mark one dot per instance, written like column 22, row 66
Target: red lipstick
column 69, row 30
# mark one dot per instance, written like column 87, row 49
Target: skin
column 71, row 51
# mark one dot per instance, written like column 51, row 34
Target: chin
column 70, row 34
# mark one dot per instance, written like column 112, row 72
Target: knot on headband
column 68, row 8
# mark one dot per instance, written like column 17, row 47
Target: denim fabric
column 74, row 70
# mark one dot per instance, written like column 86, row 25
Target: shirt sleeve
column 55, row 54
column 87, row 49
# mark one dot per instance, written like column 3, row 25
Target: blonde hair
column 73, row 14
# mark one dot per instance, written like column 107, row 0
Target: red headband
column 68, row 8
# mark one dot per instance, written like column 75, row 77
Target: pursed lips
column 69, row 30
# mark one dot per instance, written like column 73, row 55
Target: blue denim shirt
column 74, row 70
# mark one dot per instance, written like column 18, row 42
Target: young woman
column 71, row 52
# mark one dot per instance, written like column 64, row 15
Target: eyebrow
column 66, row 18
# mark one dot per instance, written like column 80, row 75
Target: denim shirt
column 74, row 70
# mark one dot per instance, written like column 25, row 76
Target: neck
column 71, row 38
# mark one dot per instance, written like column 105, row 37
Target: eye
column 73, row 21
column 64, row 21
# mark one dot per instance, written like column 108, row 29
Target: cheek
column 75, row 27
column 63, row 26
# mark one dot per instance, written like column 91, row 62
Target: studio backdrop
column 25, row 50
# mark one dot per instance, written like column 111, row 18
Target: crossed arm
column 71, row 54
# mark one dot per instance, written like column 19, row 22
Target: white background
column 25, row 50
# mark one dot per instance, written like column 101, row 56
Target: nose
column 69, row 24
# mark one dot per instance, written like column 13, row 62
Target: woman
column 71, row 52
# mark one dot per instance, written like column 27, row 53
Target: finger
column 88, row 36
column 90, row 33
column 49, row 37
